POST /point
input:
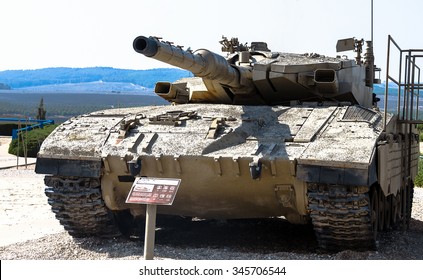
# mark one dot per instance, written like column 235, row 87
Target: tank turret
column 254, row 75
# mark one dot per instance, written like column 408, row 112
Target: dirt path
column 25, row 213
column 8, row 160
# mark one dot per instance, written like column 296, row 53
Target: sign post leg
column 152, row 192
column 150, row 231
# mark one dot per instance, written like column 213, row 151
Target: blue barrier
column 38, row 124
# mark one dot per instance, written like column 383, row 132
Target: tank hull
column 213, row 152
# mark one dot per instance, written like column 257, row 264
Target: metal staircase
column 408, row 81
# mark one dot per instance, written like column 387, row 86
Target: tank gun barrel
column 202, row 63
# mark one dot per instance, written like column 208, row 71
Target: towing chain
column 79, row 206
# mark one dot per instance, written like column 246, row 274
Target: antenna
column 371, row 21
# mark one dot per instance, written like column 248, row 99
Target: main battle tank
column 255, row 134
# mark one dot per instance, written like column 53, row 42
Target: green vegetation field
column 61, row 106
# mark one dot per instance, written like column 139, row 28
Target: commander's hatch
column 403, row 73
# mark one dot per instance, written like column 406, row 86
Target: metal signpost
column 152, row 192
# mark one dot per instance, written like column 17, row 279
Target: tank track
column 341, row 216
column 79, row 206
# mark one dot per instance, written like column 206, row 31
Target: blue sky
column 84, row 33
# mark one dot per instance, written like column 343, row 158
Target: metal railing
column 408, row 82
column 29, row 123
column 409, row 86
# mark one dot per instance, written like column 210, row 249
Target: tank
column 253, row 134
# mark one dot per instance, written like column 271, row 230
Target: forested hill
column 16, row 79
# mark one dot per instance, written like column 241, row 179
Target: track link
column 342, row 216
column 79, row 206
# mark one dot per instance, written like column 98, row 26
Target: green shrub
column 420, row 130
column 418, row 181
column 32, row 140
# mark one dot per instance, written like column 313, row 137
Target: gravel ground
column 25, row 212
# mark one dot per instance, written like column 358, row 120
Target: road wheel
column 382, row 207
column 374, row 213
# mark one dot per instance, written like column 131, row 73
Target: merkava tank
column 255, row 134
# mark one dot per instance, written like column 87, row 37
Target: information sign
column 157, row 191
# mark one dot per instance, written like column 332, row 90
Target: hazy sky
column 83, row 33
